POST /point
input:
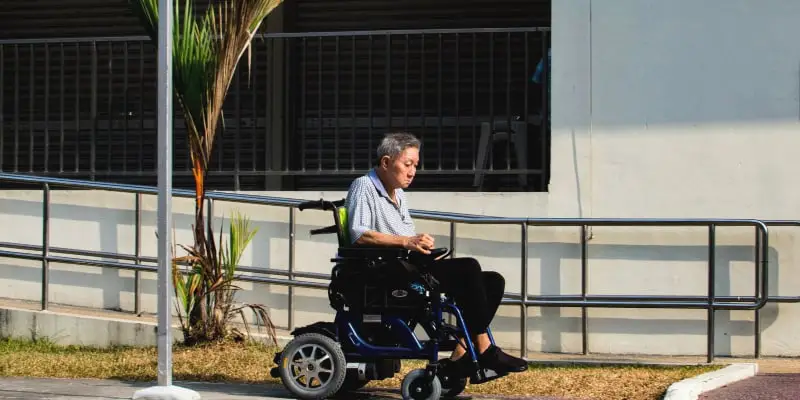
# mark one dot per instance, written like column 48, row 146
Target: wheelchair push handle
column 320, row 204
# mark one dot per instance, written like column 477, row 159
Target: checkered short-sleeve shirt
column 369, row 208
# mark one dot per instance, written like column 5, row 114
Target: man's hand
column 421, row 243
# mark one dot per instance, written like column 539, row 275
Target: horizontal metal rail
column 711, row 302
column 432, row 31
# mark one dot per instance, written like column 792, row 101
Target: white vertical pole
column 164, row 192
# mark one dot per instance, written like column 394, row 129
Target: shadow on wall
column 113, row 289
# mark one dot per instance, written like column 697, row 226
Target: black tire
column 417, row 386
column 452, row 387
column 317, row 359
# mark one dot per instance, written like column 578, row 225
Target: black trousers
column 477, row 293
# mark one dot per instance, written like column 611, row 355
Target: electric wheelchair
column 380, row 295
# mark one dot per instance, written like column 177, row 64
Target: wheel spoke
column 314, row 349
column 305, row 381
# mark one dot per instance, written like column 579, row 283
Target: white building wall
column 679, row 109
column 660, row 109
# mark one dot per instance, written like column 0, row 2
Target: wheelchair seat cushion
column 388, row 287
column 370, row 254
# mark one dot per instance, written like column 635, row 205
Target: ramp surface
column 761, row 386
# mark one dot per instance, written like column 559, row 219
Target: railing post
column 759, row 253
column 711, row 290
column 209, row 217
column 452, row 239
column 45, row 246
column 584, row 288
column 764, row 276
column 93, row 142
column 290, row 306
column 524, row 294
column 137, row 275
column 451, row 319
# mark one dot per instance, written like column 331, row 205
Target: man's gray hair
column 394, row 144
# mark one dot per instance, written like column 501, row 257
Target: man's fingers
column 427, row 238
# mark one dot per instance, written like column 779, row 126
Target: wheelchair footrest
column 485, row 375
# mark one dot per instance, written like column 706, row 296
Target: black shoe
column 464, row 368
column 496, row 359
column 460, row 368
column 453, row 371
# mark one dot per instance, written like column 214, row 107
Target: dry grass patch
column 233, row 362
column 579, row 382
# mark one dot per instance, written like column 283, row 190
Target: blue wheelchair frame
column 414, row 349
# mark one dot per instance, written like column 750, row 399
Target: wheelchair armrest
column 327, row 229
column 320, row 204
column 371, row 253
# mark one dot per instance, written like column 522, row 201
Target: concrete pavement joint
column 692, row 388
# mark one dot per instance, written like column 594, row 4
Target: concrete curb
column 692, row 388
column 68, row 328
column 166, row 393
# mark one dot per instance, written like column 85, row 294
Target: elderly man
column 378, row 213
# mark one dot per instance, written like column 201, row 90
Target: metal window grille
column 308, row 116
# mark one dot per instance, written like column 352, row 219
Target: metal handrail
column 286, row 35
column 711, row 302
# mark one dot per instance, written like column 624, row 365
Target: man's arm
column 374, row 238
column 421, row 243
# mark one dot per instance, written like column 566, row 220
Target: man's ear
column 384, row 162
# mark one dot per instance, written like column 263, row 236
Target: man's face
column 401, row 169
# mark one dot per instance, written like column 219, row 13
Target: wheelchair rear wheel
column 417, row 385
column 312, row 366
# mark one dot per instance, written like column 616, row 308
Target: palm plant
column 206, row 52
column 214, row 295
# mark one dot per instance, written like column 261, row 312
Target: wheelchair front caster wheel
column 452, row 387
column 417, row 385
column 312, row 366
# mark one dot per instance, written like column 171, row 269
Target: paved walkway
column 761, row 386
column 88, row 389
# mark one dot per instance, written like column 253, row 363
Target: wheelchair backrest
column 342, row 226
